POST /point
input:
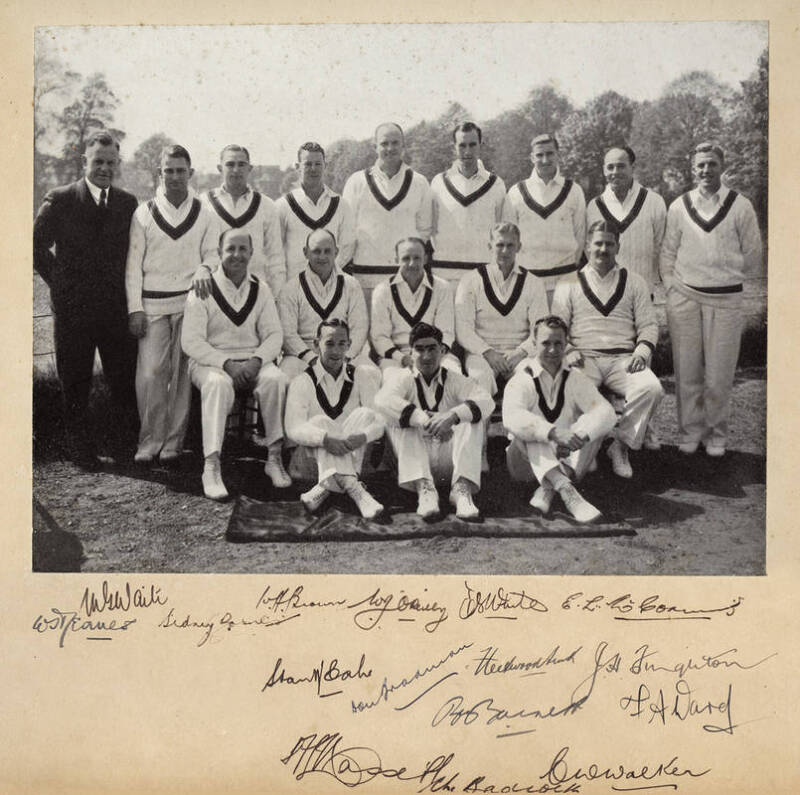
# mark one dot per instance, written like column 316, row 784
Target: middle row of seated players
column 236, row 333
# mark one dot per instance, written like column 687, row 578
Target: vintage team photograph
column 401, row 299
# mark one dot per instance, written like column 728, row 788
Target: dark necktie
column 103, row 205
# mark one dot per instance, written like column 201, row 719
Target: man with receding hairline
column 389, row 201
column 310, row 206
column 238, row 206
column 550, row 212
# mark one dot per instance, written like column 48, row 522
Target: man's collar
column 301, row 191
column 247, row 191
column 591, row 269
column 632, row 191
column 162, row 196
column 481, row 172
column 222, row 280
column 334, row 274
column 537, row 368
column 398, row 278
column 437, row 379
column 321, row 372
column 715, row 198
column 558, row 179
column 515, row 270
column 94, row 190
column 377, row 170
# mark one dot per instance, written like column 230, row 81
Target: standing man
column 311, row 206
column 558, row 421
column 389, row 202
column 613, row 332
column 408, row 298
column 497, row 306
column 712, row 243
column 550, row 212
column 232, row 339
column 434, row 424
column 319, row 292
column 467, row 203
column 641, row 217
column 88, row 223
column 173, row 249
column 238, row 206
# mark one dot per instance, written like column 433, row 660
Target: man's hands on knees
column 566, row 441
column 441, row 425
column 137, row 324
column 336, row 446
column 498, row 363
column 640, row 360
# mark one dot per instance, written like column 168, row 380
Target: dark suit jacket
column 87, row 271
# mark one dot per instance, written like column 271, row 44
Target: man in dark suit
column 80, row 244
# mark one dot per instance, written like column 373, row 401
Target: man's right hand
column 335, row 446
column 564, row 437
column 497, row 362
column 237, row 372
column 137, row 324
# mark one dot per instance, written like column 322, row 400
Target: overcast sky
column 272, row 87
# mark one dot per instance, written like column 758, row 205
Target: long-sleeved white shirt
column 167, row 246
column 396, row 310
column 406, row 397
column 711, row 243
column 316, row 392
column 552, row 222
column 304, row 302
column 642, row 218
column 493, row 312
column 535, row 402
column 299, row 216
column 464, row 211
column 256, row 214
column 385, row 210
column 232, row 323
column 610, row 313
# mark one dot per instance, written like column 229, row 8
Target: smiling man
column 238, row 206
column 711, row 245
column 87, row 224
column 232, row 340
column 435, row 424
column 173, row 249
column 467, row 203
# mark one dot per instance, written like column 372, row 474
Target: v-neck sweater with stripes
column 722, row 254
column 618, row 323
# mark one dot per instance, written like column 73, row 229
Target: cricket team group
column 402, row 308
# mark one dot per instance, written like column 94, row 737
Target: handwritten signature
column 488, row 665
column 498, row 601
column 120, row 598
column 375, row 606
column 66, row 622
column 322, row 673
column 651, row 608
column 227, row 621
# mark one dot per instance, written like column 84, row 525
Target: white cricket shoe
column 461, row 498
column 365, row 502
column 213, row 487
column 427, row 499
column 618, row 453
column 581, row 510
column 688, row 448
column 274, row 470
column 313, row 498
column 543, row 498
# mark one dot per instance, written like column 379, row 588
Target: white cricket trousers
column 163, row 389
column 422, row 456
column 316, row 463
column 642, row 392
column 706, row 333
column 217, row 395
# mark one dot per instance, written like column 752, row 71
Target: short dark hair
column 709, row 146
column 175, row 150
column 551, row 321
column 310, row 146
column 624, row 148
column 545, row 138
column 604, row 225
column 233, row 148
column 468, row 126
column 102, row 137
column 324, row 229
column 333, row 322
column 232, row 229
column 421, row 331
column 409, row 240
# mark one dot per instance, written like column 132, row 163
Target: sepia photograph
column 483, row 298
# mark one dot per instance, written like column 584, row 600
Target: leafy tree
column 147, row 157
column 345, row 157
column 429, row 145
column 704, row 85
column 588, row 133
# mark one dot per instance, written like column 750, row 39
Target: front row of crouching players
column 557, row 421
column 232, row 340
column 613, row 332
column 435, row 425
column 329, row 415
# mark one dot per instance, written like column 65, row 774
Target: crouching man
column 329, row 415
column 435, row 424
column 557, row 420
column 232, row 340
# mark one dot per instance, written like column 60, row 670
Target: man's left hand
column 441, row 425
column 637, row 363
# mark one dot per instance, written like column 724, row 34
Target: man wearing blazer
column 80, row 243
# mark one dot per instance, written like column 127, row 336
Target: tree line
column 692, row 108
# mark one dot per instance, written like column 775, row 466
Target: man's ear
column 219, row 167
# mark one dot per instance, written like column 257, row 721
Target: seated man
column 557, row 419
column 435, row 425
column 315, row 294
column 497, row 306
column 614, row 331
column 232, row 340
column 409, row 297
column 329, row 414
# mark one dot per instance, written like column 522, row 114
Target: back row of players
column 385, row 226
